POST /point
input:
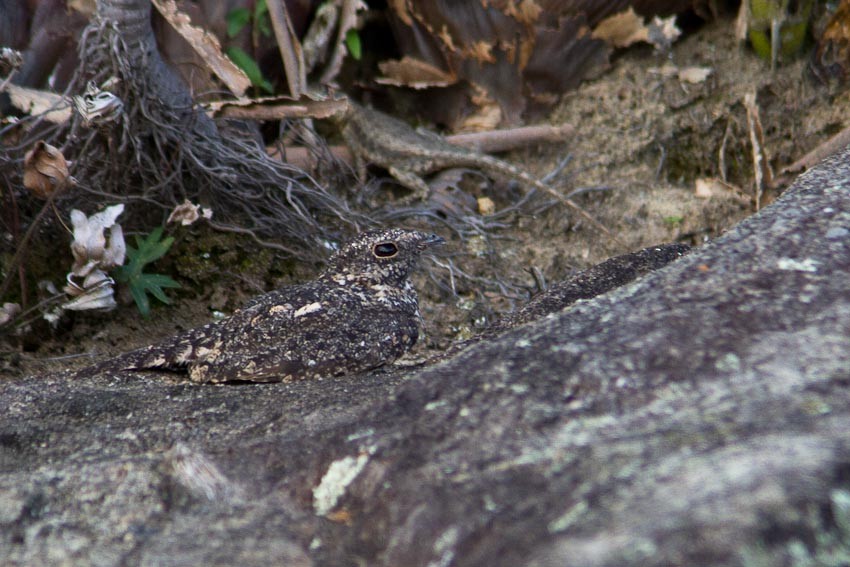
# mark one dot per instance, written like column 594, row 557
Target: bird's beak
column 431, row 240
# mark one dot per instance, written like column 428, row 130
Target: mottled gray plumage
column 360, row 313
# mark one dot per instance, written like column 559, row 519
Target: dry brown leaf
column 399, row 7
column 45, row 170
column 276, row 108
column 486, row 206
column 622, row 29
column 289, row 47
column 85, row 7
column 341, row 516
column 413, row 73
column 206, row 45
column 526, row 12
column 187, row 213
column 54, row 107
column 481, row 51
column 708, row 187
column 833, row 49
column 487, row 116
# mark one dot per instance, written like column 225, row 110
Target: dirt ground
column 644, row 137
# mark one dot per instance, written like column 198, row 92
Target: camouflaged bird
column 360, row 313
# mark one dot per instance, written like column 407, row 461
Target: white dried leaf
column 48, row 286
column 98, row 106
column 186, row 213
column 95, row 293
column 53, row 316
column 116, row 250
column 8, row 312
column 695, row 75
column 89, row 246
column 662, row 32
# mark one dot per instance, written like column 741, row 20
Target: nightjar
column 360, row 313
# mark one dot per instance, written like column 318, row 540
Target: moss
column 206, row 257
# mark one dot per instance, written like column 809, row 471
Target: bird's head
column 380, row 256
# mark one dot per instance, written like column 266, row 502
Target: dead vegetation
column 675, row 142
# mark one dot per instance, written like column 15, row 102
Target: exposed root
column 162, row 151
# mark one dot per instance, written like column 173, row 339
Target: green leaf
column 237, row 19
column 147, row 250
column 352, row 42
column 261, row 18
column 142, row 302
column 153, row 284
column 252, row 70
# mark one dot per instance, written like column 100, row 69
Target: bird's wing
column 273, row 312
column 318, row 344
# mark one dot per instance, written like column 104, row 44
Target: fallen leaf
column 487, row 117
column 695, row 75
column 481, row 51
column 54, row 108
column 276, row 108
column 341, row 516
column 45, row 170
column 708, row 187
column 8, row 312
column 413, row 73
column 486, row 206
column 97, row 106
column 85, row 7
column 622, row 29
column 9, row 59
column 663, row 32
column 95, row 293
column 526, row 12
column 187, row 213
column 206, row 45
column 89, row 248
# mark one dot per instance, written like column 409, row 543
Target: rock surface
column 698, row 416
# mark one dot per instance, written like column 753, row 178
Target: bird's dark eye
column 385, row 250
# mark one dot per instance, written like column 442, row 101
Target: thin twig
column 253, row 235
column 290, row 47
column 347, row 21
column 492, row 141
column 13, row 263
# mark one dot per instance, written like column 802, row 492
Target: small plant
column 674, row 220
column 147, row 250
column 237, row 19
column 352, row 43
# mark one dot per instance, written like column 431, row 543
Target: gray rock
column 697, row 416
